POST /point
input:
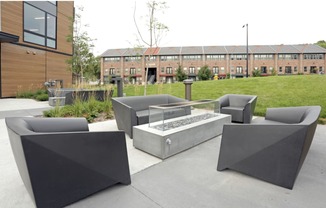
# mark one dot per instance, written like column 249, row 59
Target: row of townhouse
column 33, row 45
column 163, row 62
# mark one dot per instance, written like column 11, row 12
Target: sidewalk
column 188, row 179
column 12, row 107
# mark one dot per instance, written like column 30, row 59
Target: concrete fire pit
column 165, row 143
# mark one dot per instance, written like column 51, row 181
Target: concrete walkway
column 188, row 179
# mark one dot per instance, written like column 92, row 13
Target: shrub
column 90, row 110
column 54, row 112
column 204, row 73
column 256, row 73
column 26, row 94
column 42, row 97
column 180, row 74
column 37, row 94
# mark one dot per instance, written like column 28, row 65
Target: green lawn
column 273, row 91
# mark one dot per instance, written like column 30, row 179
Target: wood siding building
column 33, row 46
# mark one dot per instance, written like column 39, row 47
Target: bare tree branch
column 139, row 33
column 156, row 30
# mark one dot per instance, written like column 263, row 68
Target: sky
column 206, row 22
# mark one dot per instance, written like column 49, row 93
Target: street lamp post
column 247, row 48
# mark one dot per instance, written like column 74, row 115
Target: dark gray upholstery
column 271, row 149
column 240, row 107
column 132, row 111
column 61, row 162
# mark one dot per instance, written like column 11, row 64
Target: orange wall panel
column 22, row 68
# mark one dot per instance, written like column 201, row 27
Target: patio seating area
column 188, row 179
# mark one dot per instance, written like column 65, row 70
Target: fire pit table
column 163, row 137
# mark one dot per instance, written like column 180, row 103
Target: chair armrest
column 224, row 101
column 125, row 116
column 249, row 110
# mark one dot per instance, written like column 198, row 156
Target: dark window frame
column 46, row 37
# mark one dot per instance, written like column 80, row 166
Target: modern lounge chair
column 61, row 162
column 240, row 107
column 134, row 110
column 271, row 149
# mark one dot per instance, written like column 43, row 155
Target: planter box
column 57, row 101
column 71, row 94
column 164, row 144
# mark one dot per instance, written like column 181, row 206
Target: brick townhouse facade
column 131, row 64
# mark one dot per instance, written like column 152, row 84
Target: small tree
column 156, row 31
column 204, row 73
column 321, row 43
column 82, row 63
column 180, row 74
column 93, row 70
column 274, row 72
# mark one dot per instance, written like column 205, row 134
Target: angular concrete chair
column 240, row 107
column 61, row 162
column 271, row 149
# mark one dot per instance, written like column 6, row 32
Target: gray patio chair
column 134, row 110
column 271, row 149
column 61, row 162
column 240, row 107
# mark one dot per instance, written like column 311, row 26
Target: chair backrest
column 29, row 125
column 143, row 102
column 305, row 115
column 239, row 100
column 310, row 115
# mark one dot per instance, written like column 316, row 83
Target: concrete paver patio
column 188, row 179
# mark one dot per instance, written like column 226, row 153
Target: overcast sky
column 207, row 22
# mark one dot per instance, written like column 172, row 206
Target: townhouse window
column 239, row 57
column 169, row 70
column 40, row 24
column 239, row 70
column 288, row 56
column 112, row 59
column 169, row 58
column 191, row 70
column 132, row 58
column 263, row 69
column 263, row 57
column 152, row 58
column 192, row 57
column 132, row 70
column 305, row 69
column 280, row 69
column 215, row 70
column 215, row 57
column 288, row 69
column 112, row 71
column 313, row 56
